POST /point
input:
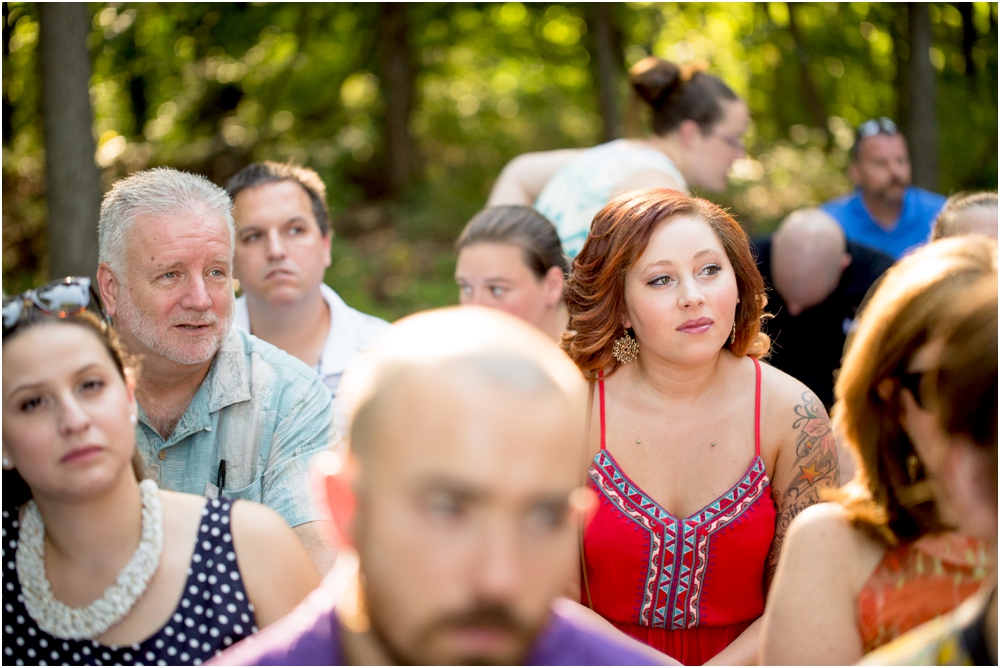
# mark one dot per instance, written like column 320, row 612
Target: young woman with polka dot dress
column 100, row 566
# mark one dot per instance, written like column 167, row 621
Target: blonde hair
column 949, row 221
column 910, row 307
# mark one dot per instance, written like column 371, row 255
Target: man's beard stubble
column 147, row 331
column 483, row 615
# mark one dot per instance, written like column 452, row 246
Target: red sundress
column 685, row 586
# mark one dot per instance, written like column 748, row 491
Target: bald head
column 466, row 430
column 808, row 257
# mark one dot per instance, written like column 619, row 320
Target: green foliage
column 209, row 87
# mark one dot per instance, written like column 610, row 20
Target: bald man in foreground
column 817, row 280
column 463, row 494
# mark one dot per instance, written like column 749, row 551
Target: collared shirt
column 261, row 411
column 310, row 636
column 920, row 208
column 350, row 331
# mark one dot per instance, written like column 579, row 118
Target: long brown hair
column 595, row 292
column 911, row 306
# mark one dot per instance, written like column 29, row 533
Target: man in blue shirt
column 221, row 412
column 885, row 211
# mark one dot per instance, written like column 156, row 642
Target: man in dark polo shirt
column 816, row 281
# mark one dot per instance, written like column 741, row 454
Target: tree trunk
column 812, row 98
column 899, row 29
column 73, row 183
column 396, row 68
column 607, row 66
column 969, row 37
column 923, row 130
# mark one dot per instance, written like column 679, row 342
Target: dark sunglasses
column 910, row 380
column 65, row 297
column 879, row 126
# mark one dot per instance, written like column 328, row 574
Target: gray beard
column 145, row 329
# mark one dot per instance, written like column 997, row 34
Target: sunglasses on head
column 65, row 297
column 876, row 126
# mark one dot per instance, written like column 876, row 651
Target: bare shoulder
column 823, row 528
column 254, row 523
column 780, row 392
column 261, row 539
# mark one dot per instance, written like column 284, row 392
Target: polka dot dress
column 214, row 611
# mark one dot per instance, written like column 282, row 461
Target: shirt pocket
column 252, row 492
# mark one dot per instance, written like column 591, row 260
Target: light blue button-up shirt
column 264, row 413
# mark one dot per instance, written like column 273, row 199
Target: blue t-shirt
column 920, row 208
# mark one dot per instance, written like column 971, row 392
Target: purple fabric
column 310, row 636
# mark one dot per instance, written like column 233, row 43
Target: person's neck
column 674, row 382
column 95, row 532
column 164, row 383
column 555, row 321
column 312, row 321
column 884, row 212
column 165, row 388
column 668, row 146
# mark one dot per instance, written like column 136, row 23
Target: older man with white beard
column 221, row 412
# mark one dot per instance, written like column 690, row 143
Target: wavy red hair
column 595, row 292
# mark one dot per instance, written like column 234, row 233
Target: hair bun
column 655, row 79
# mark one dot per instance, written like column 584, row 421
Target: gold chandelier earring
column 626, row 349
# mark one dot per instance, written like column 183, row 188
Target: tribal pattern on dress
column 679, row 547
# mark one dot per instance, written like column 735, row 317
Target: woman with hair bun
column 698, row 123
column 702, row 455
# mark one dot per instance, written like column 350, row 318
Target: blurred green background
column 409, row 112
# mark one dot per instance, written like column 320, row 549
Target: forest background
column 409, row 111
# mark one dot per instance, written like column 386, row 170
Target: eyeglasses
column 65, row 297
column 879, row 126
column 910, row 380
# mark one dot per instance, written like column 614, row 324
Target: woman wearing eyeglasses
column 698, row 124
column 101, row 567
column 880, row 560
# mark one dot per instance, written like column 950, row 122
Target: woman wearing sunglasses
column 99, row 565
column 881, row 559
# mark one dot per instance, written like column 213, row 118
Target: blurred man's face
column 882, row 168
column 281, row 255
column 464, row 526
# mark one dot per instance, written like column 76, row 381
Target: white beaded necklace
column 62, row 621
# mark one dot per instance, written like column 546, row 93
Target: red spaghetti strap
column 600, row 387
column 756, row 410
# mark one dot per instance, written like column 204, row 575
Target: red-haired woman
column 702, row 455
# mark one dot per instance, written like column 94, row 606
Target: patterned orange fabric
column 918, row 582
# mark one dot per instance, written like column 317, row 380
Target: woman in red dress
column 702, row 454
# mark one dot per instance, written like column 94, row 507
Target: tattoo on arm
column 816, row 467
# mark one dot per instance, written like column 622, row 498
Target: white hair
column 155, row 192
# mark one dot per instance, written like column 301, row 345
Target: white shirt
column 350, row 331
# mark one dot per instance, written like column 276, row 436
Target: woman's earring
column 6, row 464
column 626, row 349
column 732, row 338
column 133, row 418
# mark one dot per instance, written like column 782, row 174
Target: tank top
column 214, row 611
column 917, row 582
column 574, row 195
column 686, row 586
